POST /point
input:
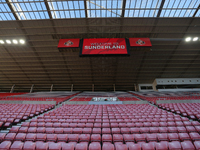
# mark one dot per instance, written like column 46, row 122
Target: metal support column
column 12, row 88
column 114, row 87
column 51, row 88
column 72, row 88
column 31, row 90
column 92, row 87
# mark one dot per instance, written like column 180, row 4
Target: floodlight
column 195, row 38
column 1, row 42
column 21, row 41
column 188, row 39
column 15, row 41
column 8, row 41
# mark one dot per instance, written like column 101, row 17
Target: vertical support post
column 92, row 87
column 72, row 88
column 135, row 86
column 12, row 88
column 31, row 90
column 51, row 88
column 114, row 87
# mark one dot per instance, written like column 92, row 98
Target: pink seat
column 31, row 137
column 144, row 130
column 41, row 137
column 17, row 145
column 73, row 137
column 105, row 125
column 121, row 147
column 153, row 130
column 125, row 130
column 95, row 146
column 107, row 138
column 52, row 137
column 162, row 137
column 115, row 130
column 163, row 129
column 32, row 130
column 41, row 145
column 181, row 129
column 117, row 138
column 190, row 129
column 194, row 136
column 161, row 146
column 55, row 146
column 62, row 137
column 107, row 146
column 135, row 130
column 20, row 137
column 67, row 130
column 197, row 145
column 41, row 130
column 95, row 138
column 187, row 145
column 148, row 146
column 175, row 145
column 29, row 145
column 10, row 136
column 14, row 129
column 5, row 145
column 184, row 136
column 23, row 129
column 68, row 146
column 106, row 131
column 172, row 129
column 58, row 130
column 2, row 136
column 151, row 137
column 49, row 130
column 173, row 137
column 140, row 137
column 128, row 138
column 96, row 131
column 81, row 146
column 25, row 124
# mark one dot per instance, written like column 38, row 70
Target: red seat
column 194, row 136
column 175, row 145
column 2, row 136
column 107, row 138
column 125, row 130
column 41, row 137
column 161, row 146
column 172, row 129
column 32, row 130
column 29, row 145
column 151, row 137
column 68, row 146
column 56, row 124
column 140, row 137
column 41, row 145
column 31, row 137
column 65, row 125
column 49, row 130
column 17, row 145
column 20, row 137
column 67, row 130
column 62, row 137
column 95, row 138
column 162, row 137
column 107, row 146
column 190, row 129
column 181, row 129
column 49, row 124
column 23, row 129
column 77, row 131
column 58, row 130
column 41, row 124
column 84, row 138
column 25, row 124
column 52, row 137
column 33, row 124
column 5, row 145
column 105, row 125
column 89, row 125
column 173, row 137
column 55, row 146
column 135, row 130
column 81, row 146
column 153, row 130
column 121, row 147
column 197, row 145
column 187, row 145
column 96, row 131
column 97, row 125
column 163, row 129
column 144, row 130
column 95, row 146
column 128, row 138
column 14, row 129
column 73, row 137
column 115, row 130
column 106, row 131
column 184, row 136
column 148, row 146
column 41, row 130
column 10, row 136
column 117, row 138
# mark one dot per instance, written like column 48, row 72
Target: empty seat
column 17, row 145
column 175, row 145
column 55, row 146
column 5, row 145
column 194, row 136
column 41, row 137
column 20, row 137
column 95, row 138
column 128, row 138
column 81, row 146
column 41, row 130
column 2, row 136
column 173, row 137
column 117, row 138
column 23, row 130
column 58, row 130
column 68, row 146
column 106, row 131
column 67, row 130
column 29, row 145
column 95, row 146
column 10, row 136
column 107, row 138
column 32, row 130
column 197, row 145
column 187, row 145
column 107, row 146
column 151, row 137
column 62, row 137
column 49, row 130
column 73, row 137
column 84, row 138
column 140, row 137
column 148, row 146
column 41, row 145
column 161, row 146
column 96, row 131
column 184, row 136
column 162, row 137
column 14, row 129
column 51, row 137
column 125, row 130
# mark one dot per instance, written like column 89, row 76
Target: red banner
column 140, row 42
column 104, row 46
column 65, row 43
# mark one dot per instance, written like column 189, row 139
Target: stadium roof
column 41, row 23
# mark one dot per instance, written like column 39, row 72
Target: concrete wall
column 120, row 102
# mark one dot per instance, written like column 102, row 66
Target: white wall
column 177, row 81
column 139, row 87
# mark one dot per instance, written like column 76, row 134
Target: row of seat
column 100, row 138
column 141, row 130
column 28, row 145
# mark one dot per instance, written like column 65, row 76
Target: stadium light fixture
column 195, row 38
column 2, row 42
column 188, row 39
column 15, row 41
column 8, row 41
column 21, row 41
